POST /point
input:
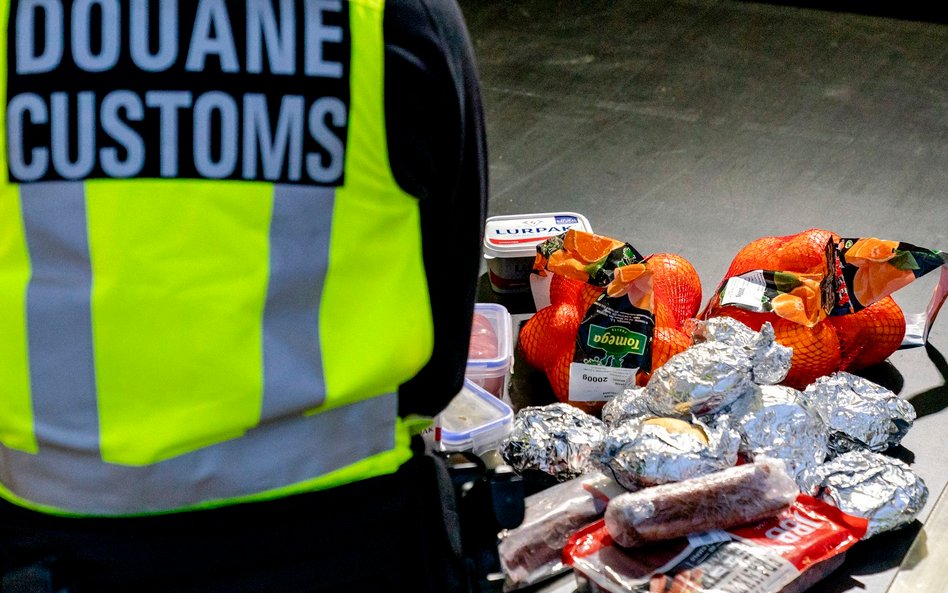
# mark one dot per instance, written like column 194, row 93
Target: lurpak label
column 529, row 230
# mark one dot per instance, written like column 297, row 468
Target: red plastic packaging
column 783, row 554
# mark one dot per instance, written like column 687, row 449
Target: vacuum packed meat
column 723, row 499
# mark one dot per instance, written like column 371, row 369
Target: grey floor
column 696, row 126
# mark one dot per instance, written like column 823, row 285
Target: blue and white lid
column 474, row 421
column 517, row 235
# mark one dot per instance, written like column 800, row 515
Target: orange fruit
column 573, row 292
column 846, row 342
column 664, row 316
column 666, row 343
column 588, row 247
column 802, row 252
column 558, row 374
column 548, row 339
column 564, row 290
column 756, row 255
column 815, row 350
column 883, row 331
column 551, row 331
column 870, row 336
column 676, row 282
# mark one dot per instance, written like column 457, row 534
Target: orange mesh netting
column 844, row 342
column 548, row 339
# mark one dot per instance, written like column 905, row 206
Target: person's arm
column 438, row 153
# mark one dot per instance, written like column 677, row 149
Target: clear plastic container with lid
column 490, row 355
column 510, row 246
column 474, row 421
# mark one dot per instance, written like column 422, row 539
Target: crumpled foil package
column 557, row 439
column 859, row 413
column 645, row 452
column 770, row 361
column 631, row 403
column 704, row 379
column 876, row 487
column 780, row 424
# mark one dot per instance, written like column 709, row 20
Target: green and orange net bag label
column 802, row 297
column 583, row 256
column 875, row 268
column 614, row 338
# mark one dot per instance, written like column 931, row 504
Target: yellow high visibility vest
column 211, row 285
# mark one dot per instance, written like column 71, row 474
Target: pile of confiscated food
column 735, row 460
column 711, row 443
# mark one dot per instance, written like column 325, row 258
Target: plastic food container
column 490, row 356
column 510, row 245
column 474, row 421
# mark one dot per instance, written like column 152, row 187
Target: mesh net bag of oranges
column 614, row 315
column 827, row 297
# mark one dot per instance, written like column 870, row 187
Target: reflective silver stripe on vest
column 267, row 457
column 286, row 448
column 299, row 254
column 59, row 323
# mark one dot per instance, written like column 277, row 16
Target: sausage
column 534, row 550
column 723, row 499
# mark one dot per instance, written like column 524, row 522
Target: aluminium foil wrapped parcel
column 859, row 413
column 876, row 487
column 770, row 360
column 557, row 439
column 780, row 424
column 650, row 451
column 631, row 403
column 705, row 379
